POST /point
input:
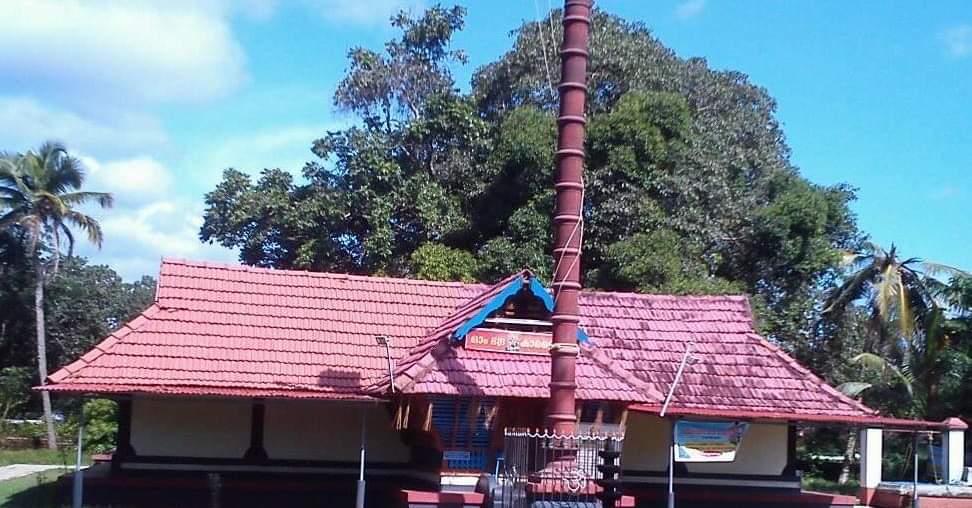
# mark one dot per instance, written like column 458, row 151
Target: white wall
column 298, row 430
column 176, row 427
column 762, row 451
column 646, row 441
column 302, row 430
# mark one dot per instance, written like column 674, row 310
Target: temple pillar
column 872, row 450
column 953, row 445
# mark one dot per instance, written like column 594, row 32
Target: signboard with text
column 509, row 341
column 697, row 441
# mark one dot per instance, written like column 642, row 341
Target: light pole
column 668, row 399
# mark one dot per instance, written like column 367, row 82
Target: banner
column 708, row 441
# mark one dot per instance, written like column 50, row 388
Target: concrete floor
column 18, row 470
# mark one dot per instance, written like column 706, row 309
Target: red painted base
column 882, row 499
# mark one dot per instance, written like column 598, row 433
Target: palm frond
column 66, row 174
column 86, row 224
column 850, row 259
column 906, row 320
column 935, row 269
column 104, row 199
column 886, row 291
column 882, row 365
column 852, row 289
column 873, row 249
column 57, row 205
column 11, row 217
column 70, row 239
column 854, row 389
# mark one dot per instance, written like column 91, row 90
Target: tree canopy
column 689, row 186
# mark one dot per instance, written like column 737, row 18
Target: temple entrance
column 542, row 468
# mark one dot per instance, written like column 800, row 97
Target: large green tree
column 82, row 305
column 40, row 196
column 689, row 187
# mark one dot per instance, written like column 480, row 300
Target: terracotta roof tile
column 251, row 332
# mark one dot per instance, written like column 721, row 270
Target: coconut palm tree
column 909, row 313
column 906, row 304
column 39, row 199
column 901, row 293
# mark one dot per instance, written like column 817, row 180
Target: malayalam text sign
column 509, row 341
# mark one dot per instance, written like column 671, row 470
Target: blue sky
column 159, row 97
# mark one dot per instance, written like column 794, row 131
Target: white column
column 872, row 448
column 953, row 444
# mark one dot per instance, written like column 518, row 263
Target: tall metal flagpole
column 568, row 216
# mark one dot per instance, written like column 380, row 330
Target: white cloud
column 690, row 9
column 111, row 137
column 958, row 40
column 118, row 51
column 149, row 220
column 361, row 12
column 287, row 148
column 137, row 238
column 130, row 180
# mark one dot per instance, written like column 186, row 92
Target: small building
column 250, row 371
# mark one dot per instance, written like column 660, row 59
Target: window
column 464, row 426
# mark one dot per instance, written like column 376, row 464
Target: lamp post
column 686, row 358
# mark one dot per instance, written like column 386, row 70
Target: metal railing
column 545, row 469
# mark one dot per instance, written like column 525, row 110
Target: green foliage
column 87, row 302
column 83, row 305
column 65, row 456
column 817, row 484
column 100, row 425
column 659, row 262
column 437, row 262
column 689, row 187
column 14, row 390
column 910, row 354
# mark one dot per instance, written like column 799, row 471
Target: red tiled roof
column 733, row 368
column 239, row 331
column 225, row 330
column 437, row 365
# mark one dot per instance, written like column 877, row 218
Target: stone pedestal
column 953, row 444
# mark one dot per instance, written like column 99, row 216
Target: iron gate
column 541, row 469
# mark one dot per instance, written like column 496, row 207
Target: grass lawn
column 821, row 485
column 37, row 490
column 63, row 456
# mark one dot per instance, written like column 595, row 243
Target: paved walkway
column 18, row 470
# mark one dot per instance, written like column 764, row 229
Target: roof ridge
column 425, row 347
column 311, row 274
column 736, row 297
column 649, row 296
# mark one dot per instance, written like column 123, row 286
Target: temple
column 253, row 371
